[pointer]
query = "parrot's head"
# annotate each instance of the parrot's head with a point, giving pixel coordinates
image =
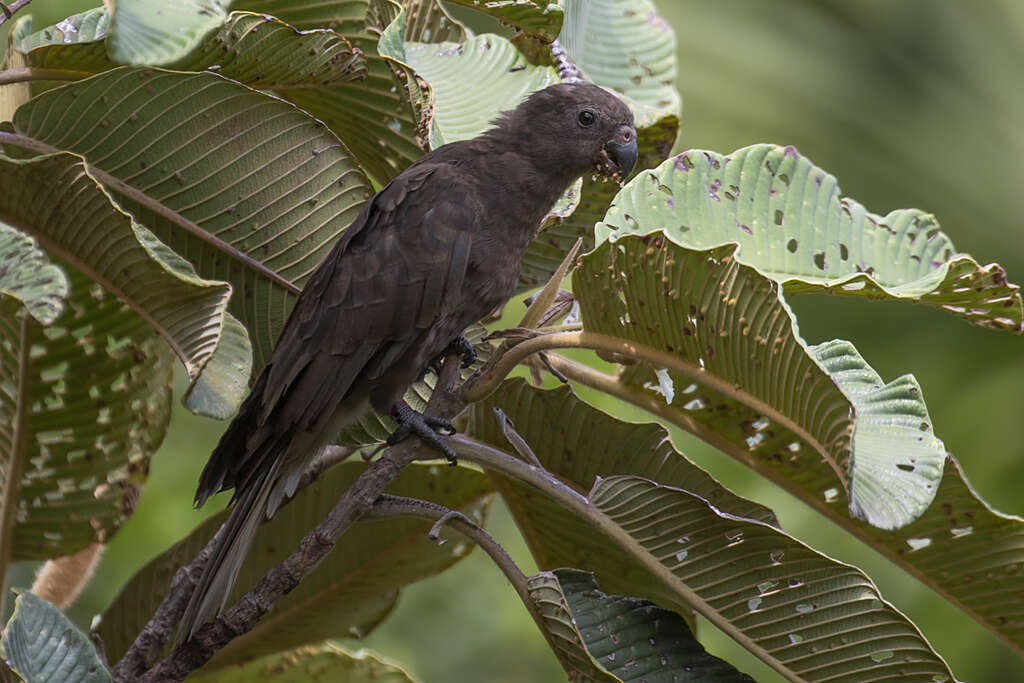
(578, 126)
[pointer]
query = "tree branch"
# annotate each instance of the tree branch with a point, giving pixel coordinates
(284, 577)
(397, 506)
(11, 9)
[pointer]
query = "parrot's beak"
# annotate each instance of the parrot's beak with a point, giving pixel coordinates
(620, 154)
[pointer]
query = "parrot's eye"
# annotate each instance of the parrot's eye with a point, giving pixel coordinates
(587, 117)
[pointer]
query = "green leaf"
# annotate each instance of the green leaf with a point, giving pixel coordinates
(643, 50)
(155, 33)
(351, 591)
(473, 82)
(324, 662)
(536, 18)
(59, 201)
(254, 49)
(891, 418)
(244, 186)
(86, 403)
(580, 445)
(42, 645)
(790, 222)
(27, 275)
(615, 638)
(383, 119)
(746, 382)
(809, 617)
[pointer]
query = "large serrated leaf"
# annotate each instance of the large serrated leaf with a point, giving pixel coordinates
(348, 594)
(58, 200)
(806, 615)
(42, 645)
(325, 662)
(790, 222)
(537, 18)
(242, 185)
(28, 276)
(254, 49)
(615, 638)
(744, 379)
(85, 403)
(154, 32)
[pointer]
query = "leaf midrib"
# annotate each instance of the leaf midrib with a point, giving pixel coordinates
(156, 207)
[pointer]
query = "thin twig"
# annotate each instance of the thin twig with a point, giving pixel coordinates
(11, 9)
(314, 546)
(397, 506)
(513, 437)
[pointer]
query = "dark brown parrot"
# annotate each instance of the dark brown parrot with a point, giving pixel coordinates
(434, 251)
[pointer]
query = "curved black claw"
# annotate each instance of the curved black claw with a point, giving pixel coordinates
(465, 349)
(428, 429)
(460, 345)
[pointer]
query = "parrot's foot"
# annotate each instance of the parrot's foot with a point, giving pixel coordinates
(428, 429)
(459, 345)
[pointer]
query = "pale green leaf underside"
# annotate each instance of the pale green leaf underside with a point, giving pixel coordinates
(744, 380)
(473, 82)
(244, 186)
(352, 590)
(616, 638)
(97, 404)
(155, 32)
(43, 646)
(644, 48)
(891, 419)
(324, 662)
(804, 614)
(58, 201)
(27, 276)
(537, 18)
(790, 222)
(254, 49)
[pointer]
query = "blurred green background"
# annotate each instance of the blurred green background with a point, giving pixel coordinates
(917, 103)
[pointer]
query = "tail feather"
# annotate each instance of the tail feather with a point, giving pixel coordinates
(214, 587)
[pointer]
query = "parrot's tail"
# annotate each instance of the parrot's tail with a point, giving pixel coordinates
(218, 579)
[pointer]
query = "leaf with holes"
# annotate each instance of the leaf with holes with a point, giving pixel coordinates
(60, 203)
(325, 662)
(581, 444)
(746, 382)
(351, 591)
(254, 49)
(86, 403)
(42, 645)
(790, 222)
(244, 186)
(806, 615)
(537, 18)
(152, 32)
(28, 276)
(601, 637)
(89, 403)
